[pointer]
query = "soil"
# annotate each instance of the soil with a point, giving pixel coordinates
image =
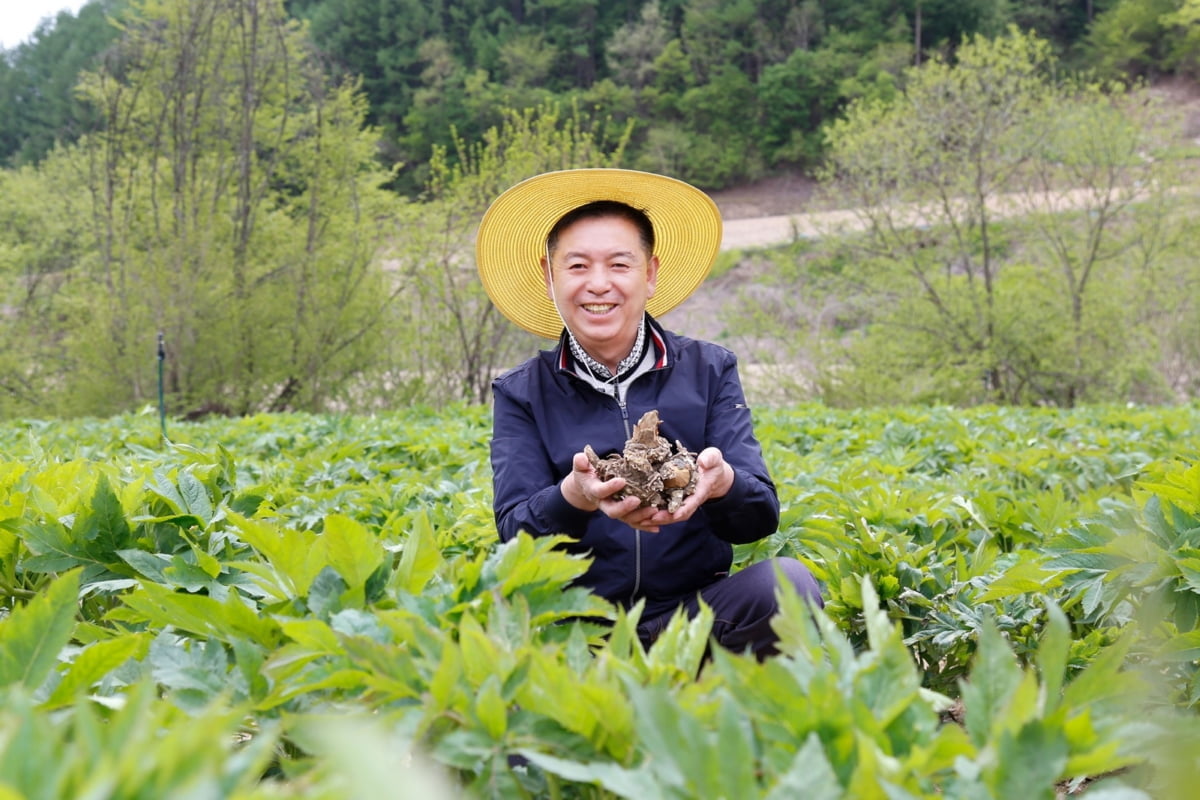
(777, 195)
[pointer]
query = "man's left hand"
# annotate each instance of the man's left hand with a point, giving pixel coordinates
(714, 479)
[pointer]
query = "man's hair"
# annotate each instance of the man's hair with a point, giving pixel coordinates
(604, 208)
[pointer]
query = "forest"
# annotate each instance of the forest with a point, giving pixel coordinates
(721, 91)
(237, 206)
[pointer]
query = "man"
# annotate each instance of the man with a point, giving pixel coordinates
(591, 257)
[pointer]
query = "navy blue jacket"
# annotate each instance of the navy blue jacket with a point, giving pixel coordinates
(544, 414)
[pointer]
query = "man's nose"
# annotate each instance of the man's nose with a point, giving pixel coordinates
(598, 280)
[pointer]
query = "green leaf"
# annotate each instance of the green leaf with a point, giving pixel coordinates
(1025, 577)
(195, 496)
(103, 523)
(55, 549)
(206, 616)
(93, 663)
(810, 775)
(297, 556)
(32, 637)
(634, 784)
(995, 676)
(1052, 654)
(149, 565)
(421, 557)
(197, 671)
(490, 708)
(733, 774)
(1029, 762)
(352, 550)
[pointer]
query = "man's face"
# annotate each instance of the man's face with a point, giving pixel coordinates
(600, 277)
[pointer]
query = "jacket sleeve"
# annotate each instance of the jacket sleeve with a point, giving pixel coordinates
(525, 477)
(750, 511)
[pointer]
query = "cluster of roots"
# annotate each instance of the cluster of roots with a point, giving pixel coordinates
(658, 474)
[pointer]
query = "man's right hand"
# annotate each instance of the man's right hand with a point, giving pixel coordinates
(584, 490)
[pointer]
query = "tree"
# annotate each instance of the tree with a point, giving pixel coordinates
(234, 205)
(632, 51)
(38, 77)
(1002, 210)
(43, 216)
(1183, 27)
(1131, 38)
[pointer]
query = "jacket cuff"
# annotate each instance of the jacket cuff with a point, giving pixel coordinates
(734, 497)
(560, 516)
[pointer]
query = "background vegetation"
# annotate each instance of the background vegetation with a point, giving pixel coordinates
(287, 193)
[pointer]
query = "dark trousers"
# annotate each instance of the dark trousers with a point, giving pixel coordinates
(743, 605)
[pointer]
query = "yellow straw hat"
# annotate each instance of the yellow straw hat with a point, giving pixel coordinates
(512, 237)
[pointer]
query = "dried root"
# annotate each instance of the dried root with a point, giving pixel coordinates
(653, 472)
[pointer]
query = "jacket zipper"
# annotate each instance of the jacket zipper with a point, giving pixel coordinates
(637, 535)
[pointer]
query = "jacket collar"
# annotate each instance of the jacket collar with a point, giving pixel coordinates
(657, 344)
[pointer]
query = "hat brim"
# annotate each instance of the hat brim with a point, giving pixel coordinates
(512, 238)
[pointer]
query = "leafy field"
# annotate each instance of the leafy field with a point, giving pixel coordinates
(316, 606)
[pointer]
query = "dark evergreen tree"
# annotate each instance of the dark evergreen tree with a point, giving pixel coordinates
(38, 77)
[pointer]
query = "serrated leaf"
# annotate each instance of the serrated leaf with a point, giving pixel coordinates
(93, 663)
(200, 614)
(297, 556)
(352, 550)
(673, 742)
(164, 488)
(33, 635)
(490, 708)
(53, 546)
(195, 496)
(1026, 577)
(633, 784)
(733, 774)
(421, 558)
(810, 775)
(103, 523)
(1053, 651)
(325, 593)
(443, 685)
(196, 670)
(993, 679)
(1030, 760)
(149, 565)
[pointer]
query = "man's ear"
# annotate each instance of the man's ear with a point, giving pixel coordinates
(651, 275)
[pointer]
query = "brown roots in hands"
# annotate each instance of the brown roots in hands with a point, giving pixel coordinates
(655, 473)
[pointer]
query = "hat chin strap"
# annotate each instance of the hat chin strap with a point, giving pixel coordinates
(553, 296)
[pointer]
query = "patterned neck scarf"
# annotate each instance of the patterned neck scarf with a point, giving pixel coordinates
(600, 370)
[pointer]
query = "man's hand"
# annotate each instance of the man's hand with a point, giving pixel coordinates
(714, 479)
(584, 490)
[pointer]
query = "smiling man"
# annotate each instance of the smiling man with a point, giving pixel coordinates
(590, 258)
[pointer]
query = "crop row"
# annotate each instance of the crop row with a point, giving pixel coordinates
(317, 606)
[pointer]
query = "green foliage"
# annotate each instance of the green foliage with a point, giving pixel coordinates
(38, 78)
(426, 68)
(237, 211)
(282, 605)
(1132, 38)
(1002, 212)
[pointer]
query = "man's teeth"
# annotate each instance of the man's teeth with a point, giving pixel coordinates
(598, 308)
